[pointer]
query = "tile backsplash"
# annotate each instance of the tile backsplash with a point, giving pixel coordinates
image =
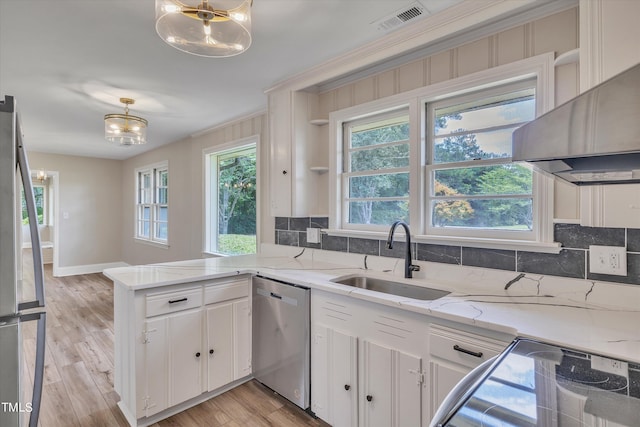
(572, 261)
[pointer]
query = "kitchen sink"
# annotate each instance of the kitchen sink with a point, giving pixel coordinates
(391, 287)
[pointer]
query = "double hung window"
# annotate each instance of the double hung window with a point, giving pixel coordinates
(473, 187)
(152, 203)
(440, 159)
(376, 170)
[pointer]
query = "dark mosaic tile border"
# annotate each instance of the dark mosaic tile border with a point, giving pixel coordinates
(572, 261)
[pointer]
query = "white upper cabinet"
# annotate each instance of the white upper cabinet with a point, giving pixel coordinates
(297, 155)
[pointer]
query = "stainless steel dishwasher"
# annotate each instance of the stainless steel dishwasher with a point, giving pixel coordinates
(281, 338)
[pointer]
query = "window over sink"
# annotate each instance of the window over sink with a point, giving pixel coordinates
(439, 158)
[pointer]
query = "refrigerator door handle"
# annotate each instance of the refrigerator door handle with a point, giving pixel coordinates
(38, 266)
(38, 375)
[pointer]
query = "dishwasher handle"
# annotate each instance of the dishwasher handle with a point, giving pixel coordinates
(274, 295)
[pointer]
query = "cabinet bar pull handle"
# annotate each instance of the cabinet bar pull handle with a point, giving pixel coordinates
(347, 387)
(369, 398)
(173, 301)
(276, 295)
(465, 351)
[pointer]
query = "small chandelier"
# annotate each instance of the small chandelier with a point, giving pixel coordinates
(42, 175)
(198, 28)
(125, 129)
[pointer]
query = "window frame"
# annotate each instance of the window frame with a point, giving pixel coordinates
(431, 167)
(147, 198)
(347, 174)
(540, 68)
(210, 227)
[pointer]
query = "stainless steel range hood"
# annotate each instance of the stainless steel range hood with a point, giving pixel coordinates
(592, 139)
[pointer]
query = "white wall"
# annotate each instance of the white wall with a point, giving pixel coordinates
(608, 45)
(89, 192)
(186, 193)
(556, 33)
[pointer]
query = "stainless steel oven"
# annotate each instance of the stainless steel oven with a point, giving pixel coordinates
(538, 384)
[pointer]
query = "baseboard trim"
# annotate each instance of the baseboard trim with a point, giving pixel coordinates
(86, 269)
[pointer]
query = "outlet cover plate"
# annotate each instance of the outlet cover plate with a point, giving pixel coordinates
(313, 235)
(608, 260)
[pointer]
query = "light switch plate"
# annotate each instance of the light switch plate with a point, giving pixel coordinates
(608, 260)
(313, 235)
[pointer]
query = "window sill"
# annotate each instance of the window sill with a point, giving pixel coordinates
(151, 243)
(505, 244)
(208, 254)
(472, 242)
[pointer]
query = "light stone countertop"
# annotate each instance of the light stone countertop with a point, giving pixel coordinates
(597, 317)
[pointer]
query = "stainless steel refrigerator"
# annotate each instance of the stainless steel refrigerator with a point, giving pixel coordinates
(21, 287)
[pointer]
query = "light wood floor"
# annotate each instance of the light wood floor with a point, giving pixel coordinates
(78, 381)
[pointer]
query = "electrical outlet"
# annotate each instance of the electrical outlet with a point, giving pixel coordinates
(313, 235)
(612, 366)
(608, 260)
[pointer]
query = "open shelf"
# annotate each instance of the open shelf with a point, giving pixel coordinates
(319, 122)
(319, 169)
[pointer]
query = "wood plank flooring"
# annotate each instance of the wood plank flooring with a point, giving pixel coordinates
(78, 381)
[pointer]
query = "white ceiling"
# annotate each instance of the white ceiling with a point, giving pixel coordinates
(67, 63)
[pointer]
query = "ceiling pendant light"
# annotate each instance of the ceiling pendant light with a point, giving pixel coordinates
(125, 129)
(199, 28)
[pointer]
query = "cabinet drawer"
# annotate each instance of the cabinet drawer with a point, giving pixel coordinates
(226, 291)
(461, 347)
(169, 302)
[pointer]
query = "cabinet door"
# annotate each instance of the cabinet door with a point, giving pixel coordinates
(442, 379)
(392, 387)
(343, 379)
(334, 378)
(154, 397)
(242, 338)
(280, 117)
(185, 345)
(219, 345)
(377, 385)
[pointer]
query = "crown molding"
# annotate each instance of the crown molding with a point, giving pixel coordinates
(454, 26)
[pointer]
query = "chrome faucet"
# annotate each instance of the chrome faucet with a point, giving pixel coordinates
(408, 267)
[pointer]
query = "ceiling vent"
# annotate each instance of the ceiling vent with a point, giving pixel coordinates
(401, 17)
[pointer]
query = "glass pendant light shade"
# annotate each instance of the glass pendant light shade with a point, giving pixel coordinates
(205, 28)
(125, 129)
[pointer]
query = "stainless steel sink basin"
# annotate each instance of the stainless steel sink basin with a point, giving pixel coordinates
(391, 287)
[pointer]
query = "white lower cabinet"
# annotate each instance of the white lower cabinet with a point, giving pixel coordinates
(363, 372)
(453, 354)
(378, 366)
(334, 375)
(228, 345)
(185, 360)
(391, 394)
(180, 346)
(219, 345)
(173, 360)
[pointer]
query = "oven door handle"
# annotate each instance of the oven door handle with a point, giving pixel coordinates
(453, 398)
